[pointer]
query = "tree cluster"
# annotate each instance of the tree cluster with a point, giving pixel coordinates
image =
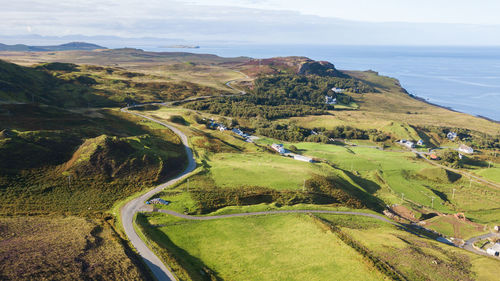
(283, 96)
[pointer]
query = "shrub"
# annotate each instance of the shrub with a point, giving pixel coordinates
(178, 119)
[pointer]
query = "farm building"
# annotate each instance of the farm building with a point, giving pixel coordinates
(420, 142)
(465, 149)
(494, 250)
(497, 228)
(302, 158)
(278, 148)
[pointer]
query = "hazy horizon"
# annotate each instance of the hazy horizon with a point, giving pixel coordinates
(359, 22)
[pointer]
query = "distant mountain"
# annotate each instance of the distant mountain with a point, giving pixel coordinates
(63, 47)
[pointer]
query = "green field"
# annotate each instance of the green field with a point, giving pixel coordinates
(492, 173)
(402, 172)
(268, 170)
(451, 227)
(274, 247)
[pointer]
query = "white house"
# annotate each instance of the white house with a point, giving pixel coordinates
(407, 143)
(497, 228)
(465, 149)
(302, 158)
(330, 100)
(410, 144)
(337, 90)
(420, 142)
(278, 148)
(451, 135)
(237, 131)
(494, 251)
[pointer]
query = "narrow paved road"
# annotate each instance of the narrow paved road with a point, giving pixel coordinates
(159, 269)
(469, 244)
(188, 217)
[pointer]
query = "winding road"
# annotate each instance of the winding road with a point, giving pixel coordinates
(127, 212)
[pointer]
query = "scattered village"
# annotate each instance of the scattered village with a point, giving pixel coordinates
(221, 127)
(452, 136)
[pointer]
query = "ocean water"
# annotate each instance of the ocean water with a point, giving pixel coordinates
(466, 79)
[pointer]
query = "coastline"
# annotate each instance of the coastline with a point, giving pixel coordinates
(447, 107)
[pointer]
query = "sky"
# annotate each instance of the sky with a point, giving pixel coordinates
(340, 22)
(417, 11)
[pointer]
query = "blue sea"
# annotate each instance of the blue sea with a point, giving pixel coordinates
(466, 79)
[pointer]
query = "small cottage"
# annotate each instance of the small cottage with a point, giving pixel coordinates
(451, 135)
(465, 149)
(278, 148)
(330, 100)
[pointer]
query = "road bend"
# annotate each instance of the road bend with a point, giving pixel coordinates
(158, 268)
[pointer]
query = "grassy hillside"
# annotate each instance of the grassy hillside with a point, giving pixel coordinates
(63, 248)
(392, 104)
(80, 163)
(392, 173)
(207, 70)
(70, 86)
(413, 257)
(84, 168)
(20, 84)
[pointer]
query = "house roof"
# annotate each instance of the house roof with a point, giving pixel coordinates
(496, 247)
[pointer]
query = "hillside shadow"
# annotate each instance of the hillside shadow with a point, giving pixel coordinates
(372, 202)
(475, 162)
